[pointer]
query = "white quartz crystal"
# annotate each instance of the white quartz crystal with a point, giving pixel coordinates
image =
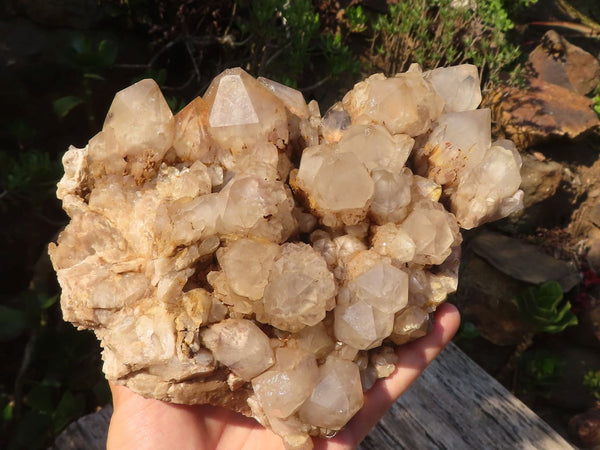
(301, 289)
(406, 103)
(282, 389)
(459, 86)
(336, 397)
(248, 253)
(375, 147)
(240, 345)
(337, 185)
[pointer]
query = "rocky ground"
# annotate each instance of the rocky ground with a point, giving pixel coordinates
(555, 238)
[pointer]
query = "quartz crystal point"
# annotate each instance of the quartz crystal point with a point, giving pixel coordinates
(248, 253)
(458, 86)
(336, 397)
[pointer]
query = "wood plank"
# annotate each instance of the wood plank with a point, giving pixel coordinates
(455, 404)
(87, 433)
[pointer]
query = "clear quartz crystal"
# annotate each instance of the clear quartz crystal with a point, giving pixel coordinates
(250, 254)
(282, 389)
(459, 86)
(405, 103)
(247, 264)
(300, 289)
(375, 147)
(240, 345)
(336, 397)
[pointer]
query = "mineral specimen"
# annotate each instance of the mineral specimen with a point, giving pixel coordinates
(249, 253)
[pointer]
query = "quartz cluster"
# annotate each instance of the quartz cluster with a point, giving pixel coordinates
(249, 253)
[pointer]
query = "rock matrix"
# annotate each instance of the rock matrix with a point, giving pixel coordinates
(251, 254)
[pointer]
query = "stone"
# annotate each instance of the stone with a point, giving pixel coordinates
(485, 299)
(256, 109)
(557, 61)
(240, 345)
(458, 142)
(544, 111)
(384, 361)
(593, 255)
(475, 200)
(524, 261)
(383, 286)
(248, 253)
(539, 179)
(192, 141)
(586, 427)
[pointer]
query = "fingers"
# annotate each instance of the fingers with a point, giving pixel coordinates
(120, 394)
(413, 358)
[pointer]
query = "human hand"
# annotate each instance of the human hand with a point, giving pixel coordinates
(145, 424)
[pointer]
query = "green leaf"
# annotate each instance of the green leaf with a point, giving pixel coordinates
(543, 307)
(107, 53)
(12, 323)
(33, 430)
(550, 293)
(47, 302)
(41, 398)
(69, 408)
(468, 330)
(93, 76)
(7, 412)
(63, 106)
(80, 44)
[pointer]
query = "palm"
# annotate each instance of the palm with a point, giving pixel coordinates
(151, 424)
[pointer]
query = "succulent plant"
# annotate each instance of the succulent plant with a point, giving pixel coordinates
(545, 309)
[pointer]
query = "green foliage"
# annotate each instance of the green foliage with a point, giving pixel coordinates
(543, 308)
(31, 313)
(356, 19)
(89, 59)
(30, 171)
(286, 38)
(591, 381)
(540, 370)
(596, 99)
(47, 394)
(467, 331)
(63, 105)
(438, 33)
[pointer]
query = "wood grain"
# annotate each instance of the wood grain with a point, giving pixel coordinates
(455, 404)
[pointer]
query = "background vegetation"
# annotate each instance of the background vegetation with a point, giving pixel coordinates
(63, 61)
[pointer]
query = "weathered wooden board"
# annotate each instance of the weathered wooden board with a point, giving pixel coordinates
(455, 404)
(87, 433)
